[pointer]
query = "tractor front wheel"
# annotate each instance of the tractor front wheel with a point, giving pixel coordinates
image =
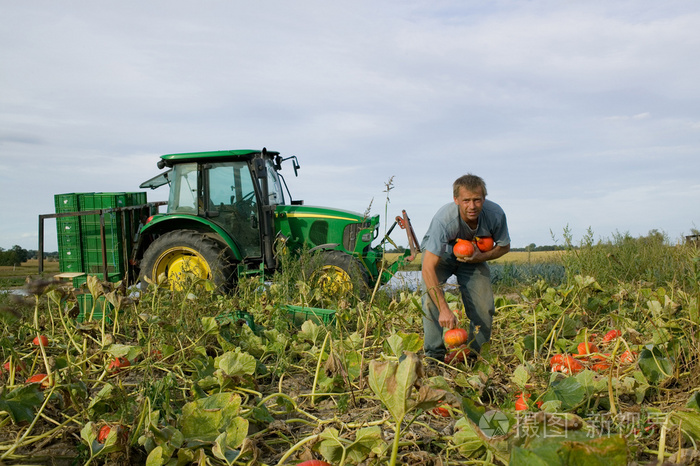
(339, 275)
(184, 256)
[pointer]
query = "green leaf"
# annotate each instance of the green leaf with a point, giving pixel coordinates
(569, 391)
(395, 343)
(654, 365)
(689, 423)
(21, 402)
(310, 332)
(204, 419)
(467, 440)
(392, 382)
(368, 440)
(124, 351)
(520, 376)
(591, 382)
(156, 457)
(210, 326)
(235, 363)
(571, 448)
(411, 342)
(221, 450)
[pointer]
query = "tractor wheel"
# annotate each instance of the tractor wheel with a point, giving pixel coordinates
(186, 255)
(339, 274)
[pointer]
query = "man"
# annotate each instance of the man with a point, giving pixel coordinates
(469, 216)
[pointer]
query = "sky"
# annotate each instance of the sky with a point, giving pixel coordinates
(580, 116)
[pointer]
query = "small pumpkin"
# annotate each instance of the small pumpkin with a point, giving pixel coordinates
(117, 364)
(104, 432)
(484, 243)
(441, 411)
(41, 340)
(463, 248)
(611, 335)
(314, 463)
(458, 354)
(42, 379)
(628, 357)
(586, 347)
(569, 365)
(521, 402)
(456, 337)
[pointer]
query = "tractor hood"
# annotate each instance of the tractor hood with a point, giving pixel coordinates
(323, 226)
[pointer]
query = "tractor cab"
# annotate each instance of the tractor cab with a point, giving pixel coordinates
(230, 196)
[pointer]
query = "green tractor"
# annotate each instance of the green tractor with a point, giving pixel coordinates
(228, 216)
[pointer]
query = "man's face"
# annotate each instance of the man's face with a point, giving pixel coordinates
(470, 204)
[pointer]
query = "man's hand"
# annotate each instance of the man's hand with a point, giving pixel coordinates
(448, 319)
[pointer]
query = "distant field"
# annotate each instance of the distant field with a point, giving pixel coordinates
(15, 276)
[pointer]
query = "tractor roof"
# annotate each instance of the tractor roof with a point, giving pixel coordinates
(217, 154)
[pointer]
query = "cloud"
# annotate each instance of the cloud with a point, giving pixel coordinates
(568, 110)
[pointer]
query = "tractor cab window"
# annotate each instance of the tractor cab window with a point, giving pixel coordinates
(231, 193)
(183, 194)
(274, 187)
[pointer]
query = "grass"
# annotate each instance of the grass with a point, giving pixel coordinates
(11, 277)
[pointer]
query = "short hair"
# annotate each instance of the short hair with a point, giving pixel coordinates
(469, 182)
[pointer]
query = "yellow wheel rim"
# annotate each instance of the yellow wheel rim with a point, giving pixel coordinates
(181, 265)
(334, 280)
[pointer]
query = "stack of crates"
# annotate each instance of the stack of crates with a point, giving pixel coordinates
(91, 236)
(79, 237)
(70, 258)
(80, 241)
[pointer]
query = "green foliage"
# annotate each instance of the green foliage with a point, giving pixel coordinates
(230, 380)
(13, 257)
(651, 259)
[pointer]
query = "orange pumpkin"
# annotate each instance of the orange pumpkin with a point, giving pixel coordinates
(104, 432)
(628, 357)
(458, 354)
(586, 347)
(484, 244)
(456, 337)
(42, 379)
(41, 339)
(521, 402)
(463, 248)
(118, 364)
(611, 335)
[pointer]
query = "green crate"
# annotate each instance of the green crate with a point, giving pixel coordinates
(90, 224)
(300, 314)
(136, 198)
(70, 259)
(94, 201)
(85, 303)
(66, 202)
(233, 317)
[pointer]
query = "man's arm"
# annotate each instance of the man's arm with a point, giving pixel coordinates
(479, 256)
(447, 318)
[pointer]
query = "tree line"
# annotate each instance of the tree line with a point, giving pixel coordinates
(18, 255)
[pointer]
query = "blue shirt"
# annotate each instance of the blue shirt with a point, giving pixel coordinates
(447, 226)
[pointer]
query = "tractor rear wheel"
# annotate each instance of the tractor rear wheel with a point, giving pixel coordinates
(186, 255)
(339, 274)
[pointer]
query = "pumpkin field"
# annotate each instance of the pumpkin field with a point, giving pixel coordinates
(600, 366)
